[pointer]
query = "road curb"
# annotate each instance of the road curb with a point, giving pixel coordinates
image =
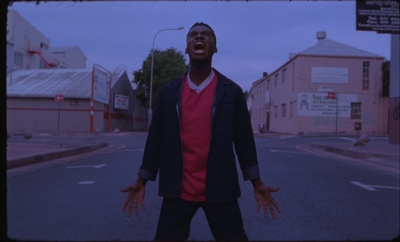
(346, 152)
(22, 161)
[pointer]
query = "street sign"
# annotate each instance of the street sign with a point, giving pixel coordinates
(381, 16)
(59, 98)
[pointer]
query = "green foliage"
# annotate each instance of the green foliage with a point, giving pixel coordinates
(385, 78)
(167, 65)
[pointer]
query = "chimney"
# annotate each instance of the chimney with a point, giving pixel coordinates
(265, 74)
(321, 35)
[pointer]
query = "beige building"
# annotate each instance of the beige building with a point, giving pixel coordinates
(28, 48)
(327, 88)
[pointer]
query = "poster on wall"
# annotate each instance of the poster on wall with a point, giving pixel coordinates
(121, 102)
(323, 105)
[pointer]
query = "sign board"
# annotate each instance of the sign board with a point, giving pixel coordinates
(329, 75)
(121, 102)
(320, 105)
(325, 89)
(380, 16)
(102, 82)
(59, 98)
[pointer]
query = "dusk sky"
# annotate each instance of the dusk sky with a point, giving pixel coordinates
(252, 37)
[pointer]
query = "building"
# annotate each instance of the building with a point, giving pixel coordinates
(327, 88)
(28, 48)
(58, 101)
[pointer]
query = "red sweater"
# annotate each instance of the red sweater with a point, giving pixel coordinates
(195, 131)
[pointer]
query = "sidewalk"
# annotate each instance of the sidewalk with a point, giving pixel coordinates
(377, 150)
(45, 147)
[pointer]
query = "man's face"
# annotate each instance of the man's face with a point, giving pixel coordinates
(200, 43)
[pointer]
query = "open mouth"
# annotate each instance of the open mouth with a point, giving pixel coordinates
(198, 47)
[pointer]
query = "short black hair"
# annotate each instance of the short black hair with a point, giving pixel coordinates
(208, 26)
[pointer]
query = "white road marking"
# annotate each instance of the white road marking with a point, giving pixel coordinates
(287, 151)
(372, 187)
(94, 167)
(86, 182)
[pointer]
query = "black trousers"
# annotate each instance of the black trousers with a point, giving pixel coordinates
(224, 219)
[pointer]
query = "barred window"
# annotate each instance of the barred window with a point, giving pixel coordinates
(18, 58)
(284, 75)
(355, 110)
(276, 111)
(283, 111)
(365, 77)
(276, 80)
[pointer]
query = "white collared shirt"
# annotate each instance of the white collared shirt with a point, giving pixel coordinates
(202, 85)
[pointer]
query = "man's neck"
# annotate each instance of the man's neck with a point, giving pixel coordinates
(199, 73)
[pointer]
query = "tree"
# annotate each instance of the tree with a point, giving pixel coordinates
(167, 65)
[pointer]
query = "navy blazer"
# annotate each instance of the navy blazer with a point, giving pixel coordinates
(231, 133)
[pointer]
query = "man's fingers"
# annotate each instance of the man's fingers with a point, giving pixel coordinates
(124, 206)
(124, 189)
(272, 212)
(274, 189)
(277, 207)
(265, 211)
(135, 207)
(143, 206)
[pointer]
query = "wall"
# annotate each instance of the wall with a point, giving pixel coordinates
(40, 115)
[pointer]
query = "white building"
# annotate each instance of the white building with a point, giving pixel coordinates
(327, 88)
(32, 104)
(28, 48)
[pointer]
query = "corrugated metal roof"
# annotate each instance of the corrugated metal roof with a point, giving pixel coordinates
(46, 83)
(328, 47)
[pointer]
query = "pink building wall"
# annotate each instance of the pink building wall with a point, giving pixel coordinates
(299, 75)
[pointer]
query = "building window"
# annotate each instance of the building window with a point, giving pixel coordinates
(41, 64)
(276, 111)
(355, 111)
(284, 75)
(365, 78)
(283, 111)
(18, 58)
(268, 85)
(44, 46)
(276, 80)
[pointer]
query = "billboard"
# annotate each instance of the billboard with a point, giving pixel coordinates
(101, 85)
(325, 104)
(380, 16)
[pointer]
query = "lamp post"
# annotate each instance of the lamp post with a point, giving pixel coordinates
(151, 73)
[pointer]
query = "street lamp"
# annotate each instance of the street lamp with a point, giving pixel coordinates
(151, 74)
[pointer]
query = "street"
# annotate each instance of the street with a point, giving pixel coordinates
(323, 196)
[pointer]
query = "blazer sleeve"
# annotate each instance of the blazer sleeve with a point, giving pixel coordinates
(152, 152)
(244, 139)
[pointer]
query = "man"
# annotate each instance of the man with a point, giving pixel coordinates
(198, 119)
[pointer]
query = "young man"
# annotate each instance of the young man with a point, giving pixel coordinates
(198, 120)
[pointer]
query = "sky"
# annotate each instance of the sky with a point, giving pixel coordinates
(252, 37)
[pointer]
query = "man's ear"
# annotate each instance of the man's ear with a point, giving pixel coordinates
(215, 50)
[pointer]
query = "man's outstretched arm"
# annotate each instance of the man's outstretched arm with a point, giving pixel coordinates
(136, 193)
(264, 198)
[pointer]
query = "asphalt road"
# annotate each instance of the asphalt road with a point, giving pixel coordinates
(322, 196)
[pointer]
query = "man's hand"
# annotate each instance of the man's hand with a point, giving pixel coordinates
(135, 196)
(264, 199)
